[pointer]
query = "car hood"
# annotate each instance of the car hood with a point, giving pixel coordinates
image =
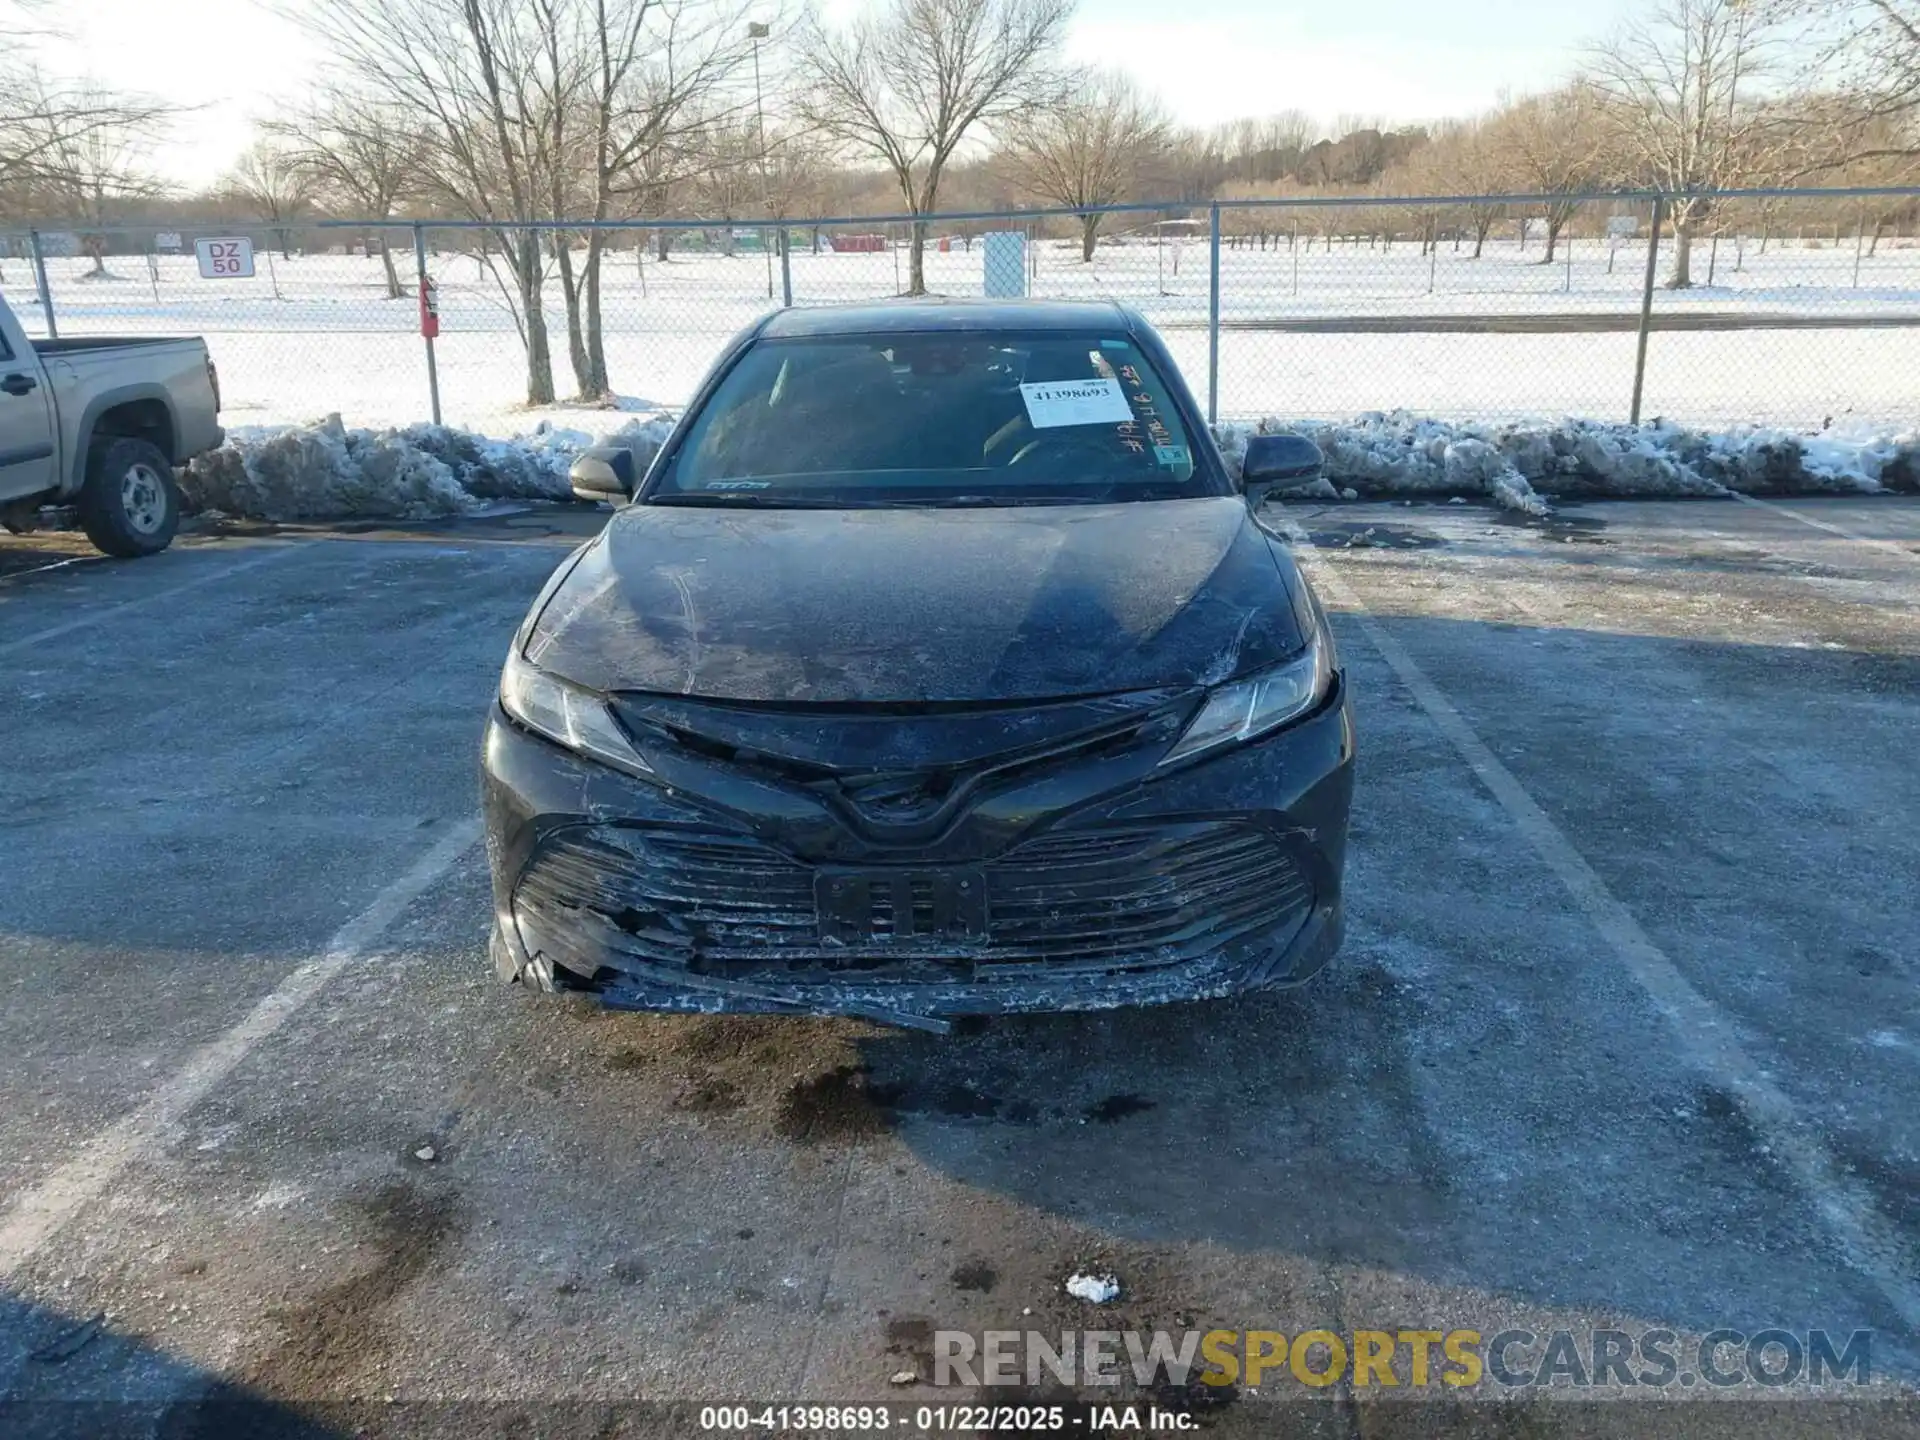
(920, 605)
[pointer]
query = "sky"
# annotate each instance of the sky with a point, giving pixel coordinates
(1210, 60)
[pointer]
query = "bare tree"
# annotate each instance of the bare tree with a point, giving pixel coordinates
(362, 156)
(1468, 162)
(909, 83)
(476, 74)
(92, 172)
(1461, 160)
(537, 111)
(269, 180)
(644, 76)
(1090, 149)
(620, 87)
(1551, 145)
(61, 144)
(45, 127)
(796, 173)
(1677, 84)
(1868, 80)
(727, 182)
(655, 187)
(1264, 149)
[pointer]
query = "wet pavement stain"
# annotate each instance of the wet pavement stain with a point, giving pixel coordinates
(974, 1275)
(1362, 536)
(834, 1107)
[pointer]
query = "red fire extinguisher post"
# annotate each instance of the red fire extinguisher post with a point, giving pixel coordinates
(429, 307)
(429, 314)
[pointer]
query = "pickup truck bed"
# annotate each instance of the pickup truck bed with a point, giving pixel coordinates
(74, 345)
(100, 422)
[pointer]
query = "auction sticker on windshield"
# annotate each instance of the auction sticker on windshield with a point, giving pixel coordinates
(1054, 403)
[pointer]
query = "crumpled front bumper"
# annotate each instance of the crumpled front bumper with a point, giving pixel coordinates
(564, 833)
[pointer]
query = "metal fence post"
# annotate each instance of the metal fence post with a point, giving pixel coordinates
(40, 280)
(1213, 314)
(786, 268)
(1646, 306)
(420, 278)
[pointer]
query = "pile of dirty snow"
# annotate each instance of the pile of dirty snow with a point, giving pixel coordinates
(325, 471)
(1519, 465)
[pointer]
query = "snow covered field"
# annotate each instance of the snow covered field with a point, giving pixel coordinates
(314, 334)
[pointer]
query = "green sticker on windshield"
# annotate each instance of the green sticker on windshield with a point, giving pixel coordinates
(1172, 456)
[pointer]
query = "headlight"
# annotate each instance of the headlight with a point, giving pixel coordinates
(1252, 707)
(566, 714)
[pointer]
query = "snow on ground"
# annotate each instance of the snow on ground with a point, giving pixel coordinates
(1094, 1289)
(1518, 466)
(315, 334)
(327, 471)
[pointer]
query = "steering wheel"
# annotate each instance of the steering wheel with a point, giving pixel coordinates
(1062, 447)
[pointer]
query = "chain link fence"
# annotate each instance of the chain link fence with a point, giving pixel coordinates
(1803, 311)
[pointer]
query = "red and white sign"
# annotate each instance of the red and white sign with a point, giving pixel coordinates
(230, 259)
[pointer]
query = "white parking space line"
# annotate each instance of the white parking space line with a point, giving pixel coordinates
(1704, 1035)
(71, 560)
(107, 612)
(41, 1211)
(1893, 547)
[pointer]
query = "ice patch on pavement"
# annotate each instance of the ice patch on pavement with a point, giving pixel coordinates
(1094, 1289)
(326, 471)
(1520, 465)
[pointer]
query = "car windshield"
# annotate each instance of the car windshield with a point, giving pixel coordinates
(937, 419)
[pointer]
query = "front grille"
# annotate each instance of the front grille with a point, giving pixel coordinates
(888, 794)
(725, 905)
(1094, 896)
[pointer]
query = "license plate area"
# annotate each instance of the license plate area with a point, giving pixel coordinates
(901, 909)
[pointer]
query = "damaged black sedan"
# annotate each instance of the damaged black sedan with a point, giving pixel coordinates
(938, 666)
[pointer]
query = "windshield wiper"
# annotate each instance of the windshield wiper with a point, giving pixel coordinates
(962, 502)
(751, 499)
(744, 499)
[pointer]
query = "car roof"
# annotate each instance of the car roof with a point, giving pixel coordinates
(938, 313)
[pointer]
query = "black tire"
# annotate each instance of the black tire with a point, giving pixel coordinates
(129, 505)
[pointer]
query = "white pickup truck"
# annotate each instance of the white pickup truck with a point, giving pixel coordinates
(100, 423)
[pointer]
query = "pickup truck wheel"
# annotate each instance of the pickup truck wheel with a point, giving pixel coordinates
(129, 505)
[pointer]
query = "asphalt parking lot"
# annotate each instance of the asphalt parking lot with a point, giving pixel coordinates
(1625, 1030)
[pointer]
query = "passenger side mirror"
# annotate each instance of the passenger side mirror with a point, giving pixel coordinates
(1278, 462)
(605, 472)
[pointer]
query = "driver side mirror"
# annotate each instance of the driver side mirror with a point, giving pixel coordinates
(1278, 462)
(606, 472)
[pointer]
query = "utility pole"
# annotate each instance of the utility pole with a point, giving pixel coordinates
(756, 32)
